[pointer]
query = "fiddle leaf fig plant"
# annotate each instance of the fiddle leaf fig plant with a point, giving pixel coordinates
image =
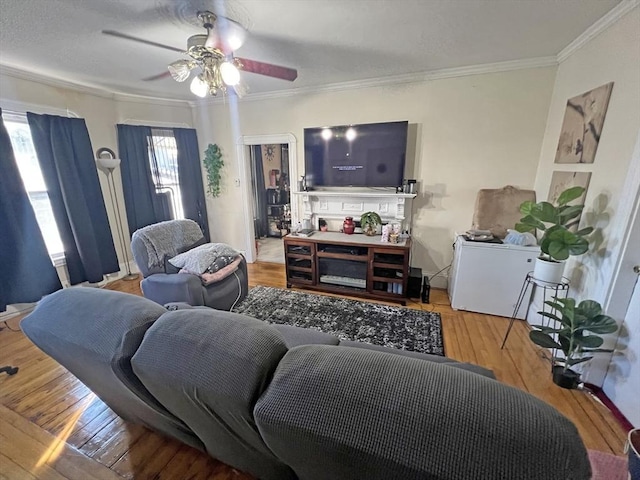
(558, 241)
(576, 332)
(213, 163)
(369, 221)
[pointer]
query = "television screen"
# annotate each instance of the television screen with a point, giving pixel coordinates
(368, 155)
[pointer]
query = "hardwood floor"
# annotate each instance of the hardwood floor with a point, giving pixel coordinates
(53, 427)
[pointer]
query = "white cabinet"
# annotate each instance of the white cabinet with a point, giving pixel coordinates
(487, 277)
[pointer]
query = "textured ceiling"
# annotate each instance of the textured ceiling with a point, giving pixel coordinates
(328, 41)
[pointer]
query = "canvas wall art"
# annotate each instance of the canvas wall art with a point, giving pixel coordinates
(560, 181)
(582, 126)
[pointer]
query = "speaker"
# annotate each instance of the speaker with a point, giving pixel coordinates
(426, 290)
(415, 277)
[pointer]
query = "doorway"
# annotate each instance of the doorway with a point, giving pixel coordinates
(267, 220)
(270, 199)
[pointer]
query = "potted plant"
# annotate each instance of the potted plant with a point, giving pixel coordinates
(569, 335)
(558, 241)
(213, 163)
(369, 222)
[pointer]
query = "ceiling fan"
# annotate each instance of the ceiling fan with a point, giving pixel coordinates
(211, 55)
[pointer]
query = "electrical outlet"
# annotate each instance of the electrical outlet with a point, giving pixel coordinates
(236, 182)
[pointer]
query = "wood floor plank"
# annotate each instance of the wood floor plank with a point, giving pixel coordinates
(88, 432)
(42, 454)
(10, 470)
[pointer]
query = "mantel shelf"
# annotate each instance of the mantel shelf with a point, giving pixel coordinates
(322, 193)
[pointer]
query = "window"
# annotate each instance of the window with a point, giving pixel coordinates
(163, 157)
(29, 167)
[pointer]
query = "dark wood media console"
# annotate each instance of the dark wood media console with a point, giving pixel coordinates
(349, 264)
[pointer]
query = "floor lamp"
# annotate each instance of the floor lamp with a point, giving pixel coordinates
(107, 161)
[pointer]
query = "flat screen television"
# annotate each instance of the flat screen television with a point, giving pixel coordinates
(367, 155)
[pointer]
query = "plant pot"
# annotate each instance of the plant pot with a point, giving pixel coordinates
(548, 271)
(565, 378)
(370, 231)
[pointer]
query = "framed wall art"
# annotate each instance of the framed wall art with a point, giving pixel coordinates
(582, 126)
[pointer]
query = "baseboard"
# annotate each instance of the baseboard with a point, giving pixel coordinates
(619, 416)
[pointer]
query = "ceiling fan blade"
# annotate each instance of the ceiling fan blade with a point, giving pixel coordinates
(268, 69)
(113, 33)
(157, 77)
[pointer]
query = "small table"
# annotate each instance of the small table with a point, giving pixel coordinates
(532, 282)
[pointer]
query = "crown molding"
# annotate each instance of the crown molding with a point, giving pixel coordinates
(394, 80)
(597, 28)
(19, 74)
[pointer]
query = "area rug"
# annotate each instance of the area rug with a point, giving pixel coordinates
(395, 327)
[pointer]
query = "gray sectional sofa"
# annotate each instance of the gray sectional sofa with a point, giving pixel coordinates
(286, 403)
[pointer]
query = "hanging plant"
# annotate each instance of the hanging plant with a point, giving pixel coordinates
(213, 163)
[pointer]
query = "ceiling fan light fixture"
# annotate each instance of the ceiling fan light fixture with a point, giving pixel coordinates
(230, 73)
(199, 86)
(180, 69)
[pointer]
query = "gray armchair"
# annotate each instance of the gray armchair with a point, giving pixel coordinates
(154, 244)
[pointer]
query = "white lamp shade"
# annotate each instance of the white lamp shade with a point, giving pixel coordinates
(107, 162)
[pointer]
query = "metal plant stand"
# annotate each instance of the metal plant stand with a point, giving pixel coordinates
(530, 284)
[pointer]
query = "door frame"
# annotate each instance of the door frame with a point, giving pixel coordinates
(243, 145)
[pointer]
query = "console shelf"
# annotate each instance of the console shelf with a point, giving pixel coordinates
(381, 268)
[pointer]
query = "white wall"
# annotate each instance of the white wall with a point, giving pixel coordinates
(101, 113)
(612, 56)
(468, 133)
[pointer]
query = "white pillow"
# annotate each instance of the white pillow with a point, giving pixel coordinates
(198, 260)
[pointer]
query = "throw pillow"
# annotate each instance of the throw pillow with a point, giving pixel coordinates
(199, 259)
(168, 268)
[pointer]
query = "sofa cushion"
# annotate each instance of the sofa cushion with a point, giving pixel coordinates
(421, 356)
(342, 412)
(94, 333)
(295, 336)
(209, 367)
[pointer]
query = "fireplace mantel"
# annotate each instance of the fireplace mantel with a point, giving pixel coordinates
(335, 204)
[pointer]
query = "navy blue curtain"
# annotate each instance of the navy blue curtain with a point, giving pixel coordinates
(69, 169)
(190, 176)
(260, 192)
(26, 271)
(144, 206)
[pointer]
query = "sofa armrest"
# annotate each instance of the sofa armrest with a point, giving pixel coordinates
(165, 288)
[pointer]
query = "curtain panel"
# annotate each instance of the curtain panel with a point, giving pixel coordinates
(144, 206)
(68, 166)
(27, 273)
(190, 175)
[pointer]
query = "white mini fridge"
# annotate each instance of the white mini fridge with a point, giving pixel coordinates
(488, 277)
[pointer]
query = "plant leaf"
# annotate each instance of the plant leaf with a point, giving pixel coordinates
(526, 207)
(568, 212)
(575, 361)
(584, 231)
(588, 341)
(545, 329)
(545, 212)
(542, 339)
(590, 308)
(570, 194)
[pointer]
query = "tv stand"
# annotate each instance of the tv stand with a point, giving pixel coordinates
(355, 265)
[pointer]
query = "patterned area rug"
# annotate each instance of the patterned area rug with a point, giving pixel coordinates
(396, 327)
